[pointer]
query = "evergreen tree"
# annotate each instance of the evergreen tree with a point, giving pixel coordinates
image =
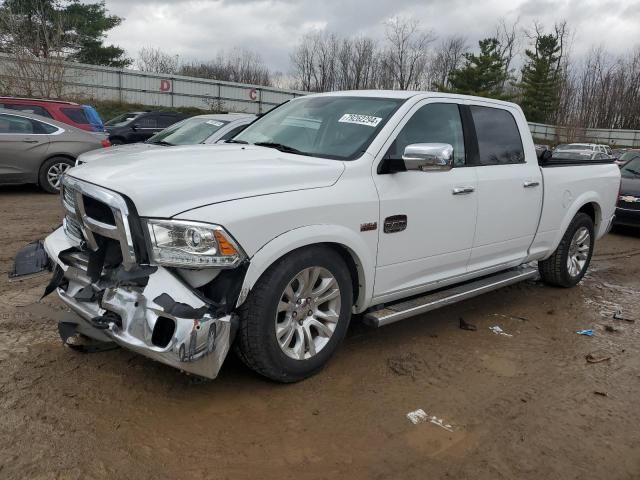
(541, 80)
(483, 74)
(79, 30)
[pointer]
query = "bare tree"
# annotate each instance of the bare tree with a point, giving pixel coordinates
(448, 57)
(238, 65)
(154, 60)
(407, 52)
(509, 38)
(36, 68)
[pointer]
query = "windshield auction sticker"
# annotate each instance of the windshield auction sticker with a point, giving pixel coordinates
(367, 120)
(214, 123)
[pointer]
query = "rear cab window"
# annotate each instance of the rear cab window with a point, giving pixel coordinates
(499, 140)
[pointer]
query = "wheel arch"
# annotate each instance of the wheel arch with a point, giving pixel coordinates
(588, 203)
(345, 242)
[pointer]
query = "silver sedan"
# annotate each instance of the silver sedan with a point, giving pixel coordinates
(34, 149)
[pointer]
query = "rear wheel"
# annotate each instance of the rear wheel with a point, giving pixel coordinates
(570, 261)
(51, 173)
(296, 315)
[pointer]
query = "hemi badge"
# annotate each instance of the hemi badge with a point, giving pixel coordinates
(367, 227)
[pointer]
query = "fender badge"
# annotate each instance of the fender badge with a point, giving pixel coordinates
(367, 227)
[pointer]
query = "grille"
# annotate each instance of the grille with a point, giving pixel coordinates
(71, 225)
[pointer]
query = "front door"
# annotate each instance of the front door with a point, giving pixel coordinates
(430, 216)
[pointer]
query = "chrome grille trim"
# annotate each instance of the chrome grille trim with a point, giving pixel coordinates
(72, 199)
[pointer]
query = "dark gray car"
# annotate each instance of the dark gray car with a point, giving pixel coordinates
(34, 149)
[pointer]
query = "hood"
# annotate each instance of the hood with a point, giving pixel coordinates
(163, 182)
(110, 152)
(630, 186)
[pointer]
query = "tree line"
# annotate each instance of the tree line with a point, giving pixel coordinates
(530, 65)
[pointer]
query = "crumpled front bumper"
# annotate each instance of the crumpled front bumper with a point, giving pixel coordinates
(164, 320)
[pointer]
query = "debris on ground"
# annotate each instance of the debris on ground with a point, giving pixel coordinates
(420, 416)
(602, 394)
(610, 329)
(467, 326)
(591, 359)
(586, 333)
(498, 331)
(618, 316)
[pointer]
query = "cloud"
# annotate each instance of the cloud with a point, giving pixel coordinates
(199, 29)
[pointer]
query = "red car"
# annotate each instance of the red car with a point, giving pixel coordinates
(80, 116)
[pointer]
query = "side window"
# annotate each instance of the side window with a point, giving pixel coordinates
(23, 126)
(499, 139)
(165, 121)
(76, 115)
(147, 121)
(29, 109)
(233, 132)
(433, 123)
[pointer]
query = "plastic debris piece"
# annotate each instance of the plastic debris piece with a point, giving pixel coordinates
(498, 331)
(591, 359)
(420, 416)
(618, 316)
(602, 394)
(586, 333)
(467, 326)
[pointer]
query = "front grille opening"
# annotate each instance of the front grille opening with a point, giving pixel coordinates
(163, 332)
(98, 210)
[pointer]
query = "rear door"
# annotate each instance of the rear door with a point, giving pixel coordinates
(427, 219)
(23, 145)
(509, 187)
(146, 126)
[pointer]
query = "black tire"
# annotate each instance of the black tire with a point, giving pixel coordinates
(256, 343)
(554, 270)
(44, 173)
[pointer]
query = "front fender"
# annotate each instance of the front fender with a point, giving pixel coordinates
(310, 235)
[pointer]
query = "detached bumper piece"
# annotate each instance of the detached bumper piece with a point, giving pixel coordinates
(31, 260)
(145, 309)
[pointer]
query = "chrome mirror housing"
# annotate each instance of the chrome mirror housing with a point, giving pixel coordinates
(428, 157)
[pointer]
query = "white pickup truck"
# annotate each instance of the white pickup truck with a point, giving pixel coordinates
(382, 203)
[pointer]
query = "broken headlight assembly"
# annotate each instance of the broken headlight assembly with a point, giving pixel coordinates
(176, 243)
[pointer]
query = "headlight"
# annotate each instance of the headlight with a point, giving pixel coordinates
(192, 244)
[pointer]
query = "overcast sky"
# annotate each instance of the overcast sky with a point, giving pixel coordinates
(199, 29)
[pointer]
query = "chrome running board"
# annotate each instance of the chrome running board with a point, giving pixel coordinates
(431, 301)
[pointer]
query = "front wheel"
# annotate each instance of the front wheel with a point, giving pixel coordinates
(51, 172)
(569, 263)
(296, 315)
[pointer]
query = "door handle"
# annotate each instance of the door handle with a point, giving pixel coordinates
(463, 190)
(29, 141)
(530, 184)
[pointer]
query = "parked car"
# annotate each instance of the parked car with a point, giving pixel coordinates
(628, 208)
(627, 156)
(328, 205)
(132, 127)
(35, 149)
(83, 117)
(582, 155)
(591, 147)
(191, 131)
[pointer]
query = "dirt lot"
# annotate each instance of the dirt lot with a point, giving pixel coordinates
(526, 406)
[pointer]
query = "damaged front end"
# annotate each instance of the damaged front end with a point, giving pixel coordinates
(103, 271)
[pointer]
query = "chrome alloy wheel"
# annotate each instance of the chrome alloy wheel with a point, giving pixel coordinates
(578, 251)
(55, 172)
(308, 312)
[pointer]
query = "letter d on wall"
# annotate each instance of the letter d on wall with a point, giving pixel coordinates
(165, 85)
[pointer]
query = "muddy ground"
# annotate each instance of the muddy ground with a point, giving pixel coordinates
(526, 406)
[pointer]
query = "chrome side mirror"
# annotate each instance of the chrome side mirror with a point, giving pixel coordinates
(428, 157)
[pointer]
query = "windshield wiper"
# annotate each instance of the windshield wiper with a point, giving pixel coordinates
(631, 171)
(281, 147)
(164, 143)
(236, 141)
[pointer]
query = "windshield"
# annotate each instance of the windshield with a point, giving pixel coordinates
(188, 132)
(329, 126)
(632, 168)
(625, 157)
(122, 119)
